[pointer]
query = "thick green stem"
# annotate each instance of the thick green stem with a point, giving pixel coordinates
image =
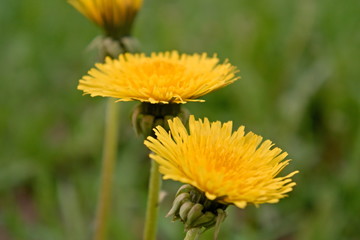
(107, 172)
(193, 234)
(152, 203)
(149, 117)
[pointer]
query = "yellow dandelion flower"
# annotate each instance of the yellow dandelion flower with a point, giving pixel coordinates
(231, 168)
(167, 77)
(114, 16)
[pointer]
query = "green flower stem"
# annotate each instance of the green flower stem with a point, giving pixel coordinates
(193, 234)
(149, 116)
(108, 165)
(152, 203)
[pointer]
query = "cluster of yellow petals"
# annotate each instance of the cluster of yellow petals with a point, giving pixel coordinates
(233, 168)
(167, 77)
(112, 15)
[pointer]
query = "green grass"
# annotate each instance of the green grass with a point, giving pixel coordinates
(299, 63)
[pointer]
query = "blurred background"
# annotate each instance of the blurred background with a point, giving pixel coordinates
(299, 87)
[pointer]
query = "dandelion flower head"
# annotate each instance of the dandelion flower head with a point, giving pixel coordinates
(232, 168)
(167, 77)
(114, 16)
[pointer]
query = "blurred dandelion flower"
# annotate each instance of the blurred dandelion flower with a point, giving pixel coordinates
(114, 16)
(167, 77)
(230, 168)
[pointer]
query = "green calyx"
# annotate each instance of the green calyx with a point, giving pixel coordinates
(196, 211)
(147, 116)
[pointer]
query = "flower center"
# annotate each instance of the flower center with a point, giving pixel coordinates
(161, 68)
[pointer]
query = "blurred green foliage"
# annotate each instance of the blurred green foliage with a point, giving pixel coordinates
(300, 87)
